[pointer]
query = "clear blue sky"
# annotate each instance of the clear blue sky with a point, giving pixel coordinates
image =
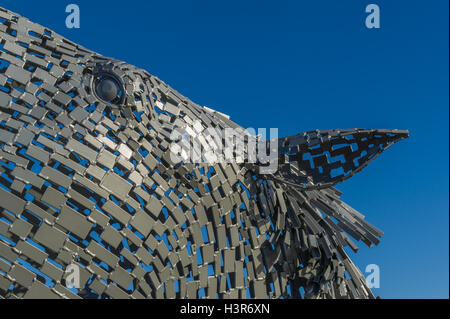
(302, 65)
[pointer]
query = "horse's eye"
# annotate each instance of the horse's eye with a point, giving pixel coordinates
(107, 89)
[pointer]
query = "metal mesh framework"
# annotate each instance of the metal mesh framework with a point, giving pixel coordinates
(91, 183)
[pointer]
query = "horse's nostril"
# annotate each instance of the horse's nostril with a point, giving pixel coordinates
(107, 89)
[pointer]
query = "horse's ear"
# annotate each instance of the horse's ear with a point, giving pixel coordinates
(323, 158)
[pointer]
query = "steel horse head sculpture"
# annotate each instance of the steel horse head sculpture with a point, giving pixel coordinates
(87, 180)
